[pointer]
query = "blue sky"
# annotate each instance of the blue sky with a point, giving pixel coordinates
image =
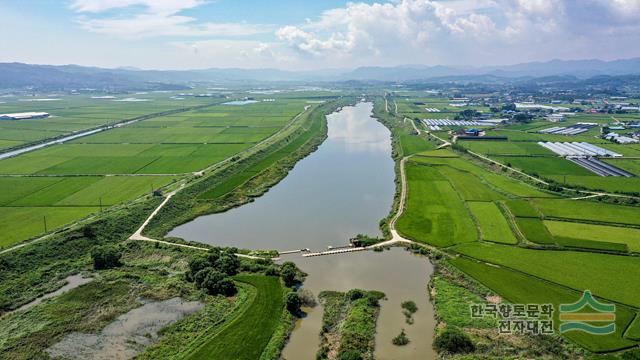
(302, 35)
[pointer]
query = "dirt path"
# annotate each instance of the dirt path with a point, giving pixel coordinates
(396, 238)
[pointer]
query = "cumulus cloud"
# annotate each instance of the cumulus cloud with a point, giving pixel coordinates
(458, 30)
(375, 28)
(386, 32)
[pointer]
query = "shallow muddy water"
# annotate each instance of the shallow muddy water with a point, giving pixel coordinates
(72, 282)
(399, 274)
(127, 335)
(339, 191)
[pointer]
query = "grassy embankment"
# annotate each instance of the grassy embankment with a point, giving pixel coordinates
(246, 336)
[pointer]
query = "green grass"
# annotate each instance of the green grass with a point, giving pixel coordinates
(21, 187)
(489, 182)
(544, 166)
(452, 304)
(522, 208)
(603, 233)
(632, 166)
(239, 178)
(20, 223)
(63, 200)
(115, 189)
(609, 276)
(633, 332)
(357, 333)
(248, 335)
(595, 182)
(519, 288)
(493, 225)
(535, 231)
(588, 210)
(412, 144)
(514, 187)
(434, 212)
(506, 147)
(469, 186)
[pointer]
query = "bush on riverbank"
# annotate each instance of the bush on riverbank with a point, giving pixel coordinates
(453, 341)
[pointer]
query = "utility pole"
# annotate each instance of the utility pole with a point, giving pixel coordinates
(100, 203)
(44, 218)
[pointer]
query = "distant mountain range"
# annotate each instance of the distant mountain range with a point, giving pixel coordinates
(66, 77)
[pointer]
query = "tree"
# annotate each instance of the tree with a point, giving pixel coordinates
(228, 264)
(89, 232)
(355, 294)
(202, 275)
(224, 287)
(196, 264)
(453, 341)
(509, 107)
(105, 257)
(293, 302)
(522, 118)
(288, 275)
(214, 282)
(468, 114)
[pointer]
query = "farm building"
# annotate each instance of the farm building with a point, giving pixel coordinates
(24, 116)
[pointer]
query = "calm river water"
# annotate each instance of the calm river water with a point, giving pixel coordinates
(341, 190)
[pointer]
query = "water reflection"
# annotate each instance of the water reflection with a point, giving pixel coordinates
(341, 190)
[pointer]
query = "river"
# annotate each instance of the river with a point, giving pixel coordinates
(341, 190)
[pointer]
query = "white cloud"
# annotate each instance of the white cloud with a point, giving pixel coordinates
(361, 28)
(148, 25)
(625, 9)
(155, 6)
(158, 18)
(386, 32)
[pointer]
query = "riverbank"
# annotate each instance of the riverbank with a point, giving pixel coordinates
(247, 178)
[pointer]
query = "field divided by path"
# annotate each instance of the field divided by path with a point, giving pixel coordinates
(57, 201)
(76, 113)
(520, 288)
(526, 244)
(66, 182)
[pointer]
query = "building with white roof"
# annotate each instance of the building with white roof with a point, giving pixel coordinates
(24, 115)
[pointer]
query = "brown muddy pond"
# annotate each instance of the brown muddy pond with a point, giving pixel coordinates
(398, 273)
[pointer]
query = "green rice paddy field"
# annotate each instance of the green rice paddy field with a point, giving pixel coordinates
(66, 182)
(247, 336)
(75, 113)
(480, 215)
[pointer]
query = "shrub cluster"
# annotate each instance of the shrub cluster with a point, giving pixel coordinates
(453, 341)
(212, 273)
(106, 257)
